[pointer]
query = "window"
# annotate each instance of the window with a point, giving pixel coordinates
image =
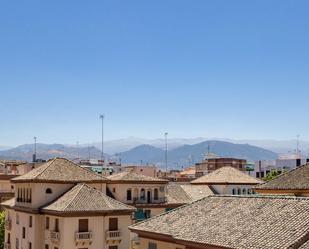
(113, 247)
(152, 245)
(83, 225)
(239, 191)
(113, 224)
(129, 195)
(24, 232)
(244, 191)
(156, 194)
(56, 225)
(249, 191)
(17, 243)
(48, 191)
(234, 191)
(142, 194)
(30, 245)
(114, 190)
(9, 238)
(30, 221)
(17, 219)
(47, 223)
(46, 246)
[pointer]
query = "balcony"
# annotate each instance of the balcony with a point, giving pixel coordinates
(8, 225)
(113, 235)
(7, 245)
(83, 237)
(54, 236)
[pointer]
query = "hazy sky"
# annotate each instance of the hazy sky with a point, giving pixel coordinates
(236, 69)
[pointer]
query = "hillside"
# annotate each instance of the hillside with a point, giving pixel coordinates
(189, 154)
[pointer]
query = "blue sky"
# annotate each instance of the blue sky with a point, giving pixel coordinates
(235, 69)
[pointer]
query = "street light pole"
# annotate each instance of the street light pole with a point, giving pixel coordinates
(165, 134)
(102, 151)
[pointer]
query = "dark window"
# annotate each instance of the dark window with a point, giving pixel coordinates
(147, 214)
(257, 174)
(24, 232)
(48, 191)
(30, 221)
(46, 246)
(234, 191)
(9, 238)
(152, 245)
(47, 223)
(113, 224)
(30, 245)
(56, 225)
(129, 195)
(113, 247)
(83, 225)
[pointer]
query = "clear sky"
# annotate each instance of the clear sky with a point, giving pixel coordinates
(234, 69)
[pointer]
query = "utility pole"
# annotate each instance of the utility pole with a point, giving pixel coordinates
(77, 146)
(102, 150)
(297, 147)
(34, 155)
(166, 134)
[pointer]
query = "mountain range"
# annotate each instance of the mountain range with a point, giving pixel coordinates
(178, 156)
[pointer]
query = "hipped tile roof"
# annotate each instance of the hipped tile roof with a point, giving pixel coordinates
(235, 222)
(130, 176)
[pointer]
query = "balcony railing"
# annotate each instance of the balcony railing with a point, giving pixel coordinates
(113, 235)
(7, 245)
(8, 224)
(54, 236)
(152, 201)
(85, 236)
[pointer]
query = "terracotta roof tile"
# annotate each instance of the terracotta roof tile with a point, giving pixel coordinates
(226, 175)
(182, 194)
(295, 179)
(236, 222)
(83, 198)
(60, 170)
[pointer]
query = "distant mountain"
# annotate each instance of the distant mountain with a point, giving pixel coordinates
(278, 146)
(46, 151)
(3, 147)
(189, 154)
(183, 155)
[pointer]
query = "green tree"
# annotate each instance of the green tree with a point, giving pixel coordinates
(272, 174)
(2, 229)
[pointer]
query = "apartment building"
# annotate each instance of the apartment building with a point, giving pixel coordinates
(218, 222)
(228, 180)
(211, 164)
(60, 205)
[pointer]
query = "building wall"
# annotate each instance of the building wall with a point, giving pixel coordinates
(228, 189)
(120, 192)
(33, 234)
(144, 244)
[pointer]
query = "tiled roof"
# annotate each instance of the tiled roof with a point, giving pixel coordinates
(235, 222)
(130, 176)
(305, 245)
(83, 198)
(9, 203)
(296, 179)
(60, 170)
(226, 175)
(181, 194)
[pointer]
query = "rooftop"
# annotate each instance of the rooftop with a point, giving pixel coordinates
(60, 170)
(182, 194)
(227, 175)
(295, 179)
(130, 176)
(83, 198)
(234, 222)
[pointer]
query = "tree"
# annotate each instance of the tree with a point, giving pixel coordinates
(272, 174)
(2, 229)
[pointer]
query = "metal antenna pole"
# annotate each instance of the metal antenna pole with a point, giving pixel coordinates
(102, 151)
(166, 167)
(34, 158)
